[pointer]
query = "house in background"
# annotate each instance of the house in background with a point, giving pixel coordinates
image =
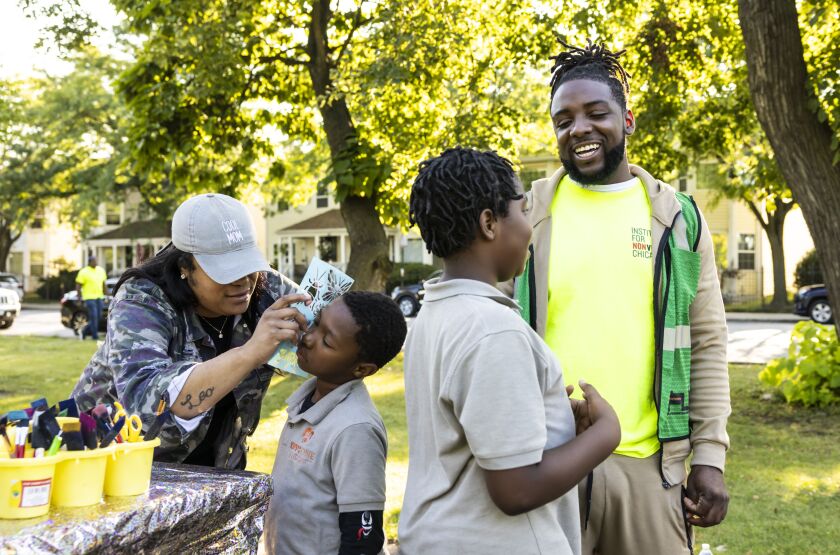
(46, 246)
(738, 236)
(128, 234)
(317, 228)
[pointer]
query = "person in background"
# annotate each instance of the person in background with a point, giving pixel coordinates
(90, 285)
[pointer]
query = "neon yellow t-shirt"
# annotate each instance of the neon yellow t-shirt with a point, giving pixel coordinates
(92, 281)
(600, 301)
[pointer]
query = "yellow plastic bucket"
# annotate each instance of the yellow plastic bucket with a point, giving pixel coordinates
(26, 486)
(129, 468)
(80, 477)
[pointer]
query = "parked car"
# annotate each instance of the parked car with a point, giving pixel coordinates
(10, 281)
(409, 297)
(812, 301)
(9, 307)
(74, 314)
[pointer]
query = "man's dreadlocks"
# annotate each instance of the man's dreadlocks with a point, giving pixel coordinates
(595, 62)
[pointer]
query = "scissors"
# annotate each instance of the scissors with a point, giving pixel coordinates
(133, 429)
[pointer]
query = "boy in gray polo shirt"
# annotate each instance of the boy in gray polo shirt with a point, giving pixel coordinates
(494, 459)
(329, 471)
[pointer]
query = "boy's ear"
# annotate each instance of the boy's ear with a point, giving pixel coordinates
(365, 369)
(487, 224)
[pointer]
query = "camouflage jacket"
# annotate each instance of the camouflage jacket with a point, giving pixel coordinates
(147, 344)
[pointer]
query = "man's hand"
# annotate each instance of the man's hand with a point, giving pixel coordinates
(706, 498)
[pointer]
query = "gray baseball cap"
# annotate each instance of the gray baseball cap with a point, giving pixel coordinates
(217, 230)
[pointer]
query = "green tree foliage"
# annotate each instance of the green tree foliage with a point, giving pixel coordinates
(59, 139)
(229, 96)
(808, 271)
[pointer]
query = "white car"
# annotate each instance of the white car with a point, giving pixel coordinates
(9, 307)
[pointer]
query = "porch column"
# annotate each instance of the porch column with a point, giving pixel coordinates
(343, 249)
(733, 236)
(290, 257)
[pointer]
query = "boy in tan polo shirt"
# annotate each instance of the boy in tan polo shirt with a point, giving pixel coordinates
(494, 458)
(329, 472)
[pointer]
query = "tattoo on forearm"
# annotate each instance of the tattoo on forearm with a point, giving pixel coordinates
(202, 396)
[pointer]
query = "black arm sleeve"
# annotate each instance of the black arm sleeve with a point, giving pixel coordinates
(361, 533)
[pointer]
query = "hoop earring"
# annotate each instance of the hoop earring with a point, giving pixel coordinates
(183, 276)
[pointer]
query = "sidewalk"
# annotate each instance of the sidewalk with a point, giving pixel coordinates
(52, 305)
(779, 317)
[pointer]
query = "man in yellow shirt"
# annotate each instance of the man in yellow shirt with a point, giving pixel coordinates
(90, 285)
(619, 294)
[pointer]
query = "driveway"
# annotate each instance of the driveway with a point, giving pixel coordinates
(757, 342)
(39, 321)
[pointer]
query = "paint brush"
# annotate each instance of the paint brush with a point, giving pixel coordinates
(72, 436)
(103, 421)
(21, 421)
(70, 406)
(55, 445)
(115, 431)
(154, 429)
(21, 431)
(88, 424)
(40, 442)
(3, 423)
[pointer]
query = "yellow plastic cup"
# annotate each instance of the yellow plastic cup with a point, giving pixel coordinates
(26, 486)
(80, 477)
(129, 468)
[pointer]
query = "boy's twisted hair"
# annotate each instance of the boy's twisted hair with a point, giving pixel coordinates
(382, 327)
(450, 192)
(594, 61)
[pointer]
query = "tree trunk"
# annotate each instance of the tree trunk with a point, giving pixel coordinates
(369, 262)
(775, 235)
(774, 227)
(7, 239)
(801, 143)
(5, 246)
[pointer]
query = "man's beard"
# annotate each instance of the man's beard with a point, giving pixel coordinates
(611, 161)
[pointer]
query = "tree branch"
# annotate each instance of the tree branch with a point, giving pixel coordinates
(282, 59)
(757, 213)
(357, 23)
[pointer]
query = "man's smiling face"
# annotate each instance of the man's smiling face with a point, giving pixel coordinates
(590, 127)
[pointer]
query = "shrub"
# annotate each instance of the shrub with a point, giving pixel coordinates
(810, 374)
(414, 273)
(53, 287)
(808, 271)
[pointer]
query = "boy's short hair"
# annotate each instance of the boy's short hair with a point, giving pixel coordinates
(382, 326)
(450, 192)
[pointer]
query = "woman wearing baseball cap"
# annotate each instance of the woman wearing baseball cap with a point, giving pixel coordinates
(194, 327)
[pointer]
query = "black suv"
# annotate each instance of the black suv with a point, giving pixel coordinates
(74, 313)
(408, 297)
(812, 301)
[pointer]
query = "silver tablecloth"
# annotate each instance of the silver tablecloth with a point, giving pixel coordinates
(188, 509)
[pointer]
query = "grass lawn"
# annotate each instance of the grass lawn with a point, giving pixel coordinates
(760, 306)
(783, 471)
